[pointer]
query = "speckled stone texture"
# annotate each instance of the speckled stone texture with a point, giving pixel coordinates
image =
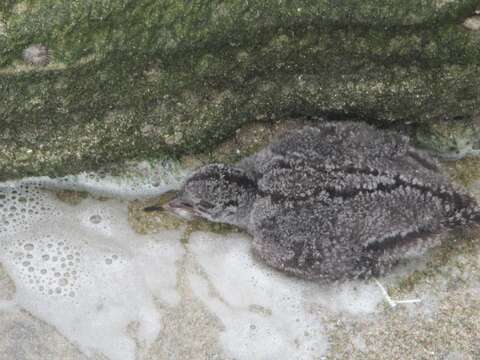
(145, 79)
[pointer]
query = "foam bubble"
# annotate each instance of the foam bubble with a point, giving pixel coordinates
(22, 206)
(138, 180)
(263, 311)
(267, 314)
(87, 278)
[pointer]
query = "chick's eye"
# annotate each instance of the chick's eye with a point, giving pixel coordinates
(205, 204)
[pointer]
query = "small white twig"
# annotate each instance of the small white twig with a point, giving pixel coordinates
(408, 301)
(392, 302)
(385, 294)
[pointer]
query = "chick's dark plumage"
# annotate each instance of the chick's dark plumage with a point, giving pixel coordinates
(333, 201)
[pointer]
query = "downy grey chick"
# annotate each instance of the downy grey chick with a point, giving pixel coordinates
(333, 201)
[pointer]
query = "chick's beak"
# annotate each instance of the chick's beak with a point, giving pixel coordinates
(180, 208)
(178, 203)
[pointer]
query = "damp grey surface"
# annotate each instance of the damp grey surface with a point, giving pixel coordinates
(333, 201)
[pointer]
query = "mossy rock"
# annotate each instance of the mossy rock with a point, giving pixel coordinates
(153, 78)
(451, 139)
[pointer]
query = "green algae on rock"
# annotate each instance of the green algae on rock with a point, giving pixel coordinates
(465, 171)
(451, 139)
(137, 80)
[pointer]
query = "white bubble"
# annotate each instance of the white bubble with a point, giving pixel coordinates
(28, 247)
(95, 219)
(83, 243)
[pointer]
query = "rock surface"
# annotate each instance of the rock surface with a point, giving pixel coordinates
(138, 80)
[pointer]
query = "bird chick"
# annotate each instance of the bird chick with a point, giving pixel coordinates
(334, 201)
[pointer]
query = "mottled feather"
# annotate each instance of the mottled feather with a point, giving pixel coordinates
(333, 201)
